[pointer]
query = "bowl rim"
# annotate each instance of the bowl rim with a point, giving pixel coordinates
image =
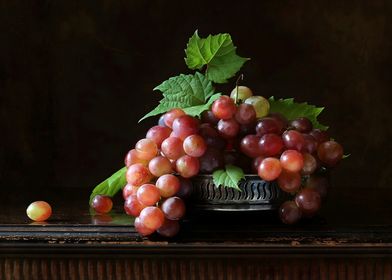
(247, 176)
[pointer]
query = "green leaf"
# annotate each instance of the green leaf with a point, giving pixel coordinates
(192, 93)
(111, 185)
(228, 177)
(292, 110)
(197, 110)
(346, 156)
(217, 52)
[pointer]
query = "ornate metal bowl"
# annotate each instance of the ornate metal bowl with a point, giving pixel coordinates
(255, 195)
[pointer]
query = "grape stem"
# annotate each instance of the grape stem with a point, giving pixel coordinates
(240, 77)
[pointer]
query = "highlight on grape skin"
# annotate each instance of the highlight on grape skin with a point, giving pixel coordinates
(102, 203)
(39, 211)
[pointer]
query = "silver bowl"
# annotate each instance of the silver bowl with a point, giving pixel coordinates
(255, 195)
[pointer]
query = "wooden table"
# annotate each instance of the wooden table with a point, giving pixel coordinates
(350, 239)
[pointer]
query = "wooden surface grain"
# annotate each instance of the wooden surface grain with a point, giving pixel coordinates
(78, 244)
(196, 268)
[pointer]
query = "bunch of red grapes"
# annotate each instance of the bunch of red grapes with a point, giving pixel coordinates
(237, 130)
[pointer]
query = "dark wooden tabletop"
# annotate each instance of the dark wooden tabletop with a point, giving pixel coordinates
(351, 238)
(350, 222)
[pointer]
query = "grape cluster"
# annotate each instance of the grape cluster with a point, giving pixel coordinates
(291, 152)
(237, 130)
(158, 169)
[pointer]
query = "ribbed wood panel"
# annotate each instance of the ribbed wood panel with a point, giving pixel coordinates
(196, 269)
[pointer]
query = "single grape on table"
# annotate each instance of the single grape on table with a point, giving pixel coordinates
(102, 203)
(39, 211)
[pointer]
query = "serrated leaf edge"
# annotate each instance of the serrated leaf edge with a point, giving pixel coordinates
(202, 82)
(291, 101)
(217, 177)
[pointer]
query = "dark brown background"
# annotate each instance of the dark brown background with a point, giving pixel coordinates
(76, 77)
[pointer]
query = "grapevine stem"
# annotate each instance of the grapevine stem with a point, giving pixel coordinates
(240, 77)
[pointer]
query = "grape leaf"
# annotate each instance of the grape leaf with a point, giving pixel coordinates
(228, 177)
(292, 110)
(111, 185)
(192, 93)
(217, 52)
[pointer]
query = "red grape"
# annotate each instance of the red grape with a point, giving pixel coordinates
(293, 140)
(173, 208)
(141, 228)
(159, 166)
(308, 200)
(211, 161)
(224, 108)
(148, 194)
(133, 157)
(245, 114)
(310, 144)
(39, 211)
(250, 146)
(289, 181)
(319, 135)
(185, 126)
(146, 149)
(169, 228)
(270, 144)
(194, 145)
(256, 163)
(129, 190)
(172, 148)
(302, 124)
(292, 160)
(212, 137)
(173, 114)
(319, 182)
(228, 128)
(186, 188)
(152, 217)
(247, 129)
(137, 174)
(330, 153)
(168, 185)
(209, 117)
(187, 166)
(269, 169)
(310, 164)
(282, 121)
(289, 213)
(161, 120)
(158, 134)
(132, 206)
(268, 125)
(102, 203)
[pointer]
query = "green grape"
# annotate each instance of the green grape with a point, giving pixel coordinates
(243, 93)
(260, 104)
